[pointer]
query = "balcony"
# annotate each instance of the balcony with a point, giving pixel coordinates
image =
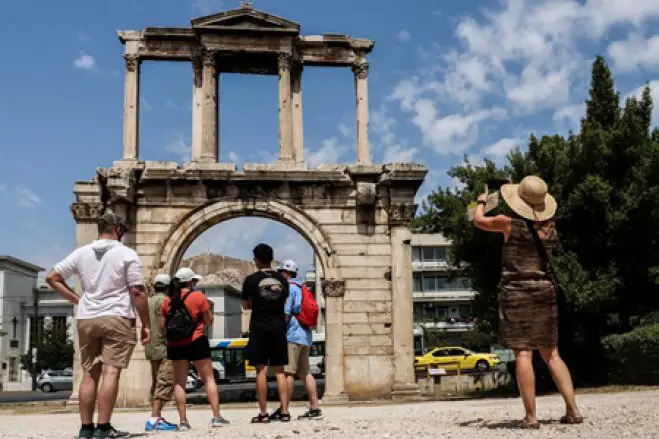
(444, 296)
(448, 324)
(430, 265)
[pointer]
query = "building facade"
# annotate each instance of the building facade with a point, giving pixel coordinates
(442, 296)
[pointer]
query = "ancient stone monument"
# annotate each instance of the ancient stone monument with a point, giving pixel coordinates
(356, 217)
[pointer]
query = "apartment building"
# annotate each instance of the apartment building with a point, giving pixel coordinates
(442, 297)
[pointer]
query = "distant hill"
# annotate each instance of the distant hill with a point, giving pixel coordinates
(218, 269)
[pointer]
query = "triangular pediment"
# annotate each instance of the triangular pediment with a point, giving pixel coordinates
(246, 19)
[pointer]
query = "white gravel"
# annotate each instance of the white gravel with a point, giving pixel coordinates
(612, 415)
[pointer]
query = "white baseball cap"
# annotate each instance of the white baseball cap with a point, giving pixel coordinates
(184, 275)
(197, 277)
(162, 280)
(289, 266)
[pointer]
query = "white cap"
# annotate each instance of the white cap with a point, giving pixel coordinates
(162, 280)
(289, 266)
(184, 275)
(197, 277)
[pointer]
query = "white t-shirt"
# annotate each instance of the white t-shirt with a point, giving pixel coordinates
(106, 269)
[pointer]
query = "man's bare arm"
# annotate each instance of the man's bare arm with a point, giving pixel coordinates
(246, 304)
(141, 302)
(58, 284)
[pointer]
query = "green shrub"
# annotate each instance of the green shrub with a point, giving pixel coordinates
(633, 357)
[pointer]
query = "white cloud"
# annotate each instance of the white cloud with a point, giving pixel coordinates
(570, 115)
(500, 148)
(398, 154)
(539, 90)
(634, 52)
(404, 36)
(346, 131)
(654, 87)
(330, 152)
(180, 147)
(85, 62)
(145, 104)
(452, 134)
(27, 198)
(207, 7)
(233, 157)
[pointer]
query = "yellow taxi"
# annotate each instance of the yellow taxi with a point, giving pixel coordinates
(449, 358)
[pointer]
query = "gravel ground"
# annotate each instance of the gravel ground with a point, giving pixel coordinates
(612, 415)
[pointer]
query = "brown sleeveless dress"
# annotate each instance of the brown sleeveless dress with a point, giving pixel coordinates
(528, 312)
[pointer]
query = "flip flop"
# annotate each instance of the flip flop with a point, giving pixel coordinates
(261, 419)
(526, 425)
(570, 419)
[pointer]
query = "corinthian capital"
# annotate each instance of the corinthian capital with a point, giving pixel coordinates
(132, 63)
(401, 214)
(334, 288)
(284, 61)
(208, 57)
(361, 69)
(86, 212)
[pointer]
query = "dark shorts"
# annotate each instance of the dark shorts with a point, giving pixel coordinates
(197, 350)
(267, 348)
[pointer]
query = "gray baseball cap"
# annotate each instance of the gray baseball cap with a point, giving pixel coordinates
(113, 220)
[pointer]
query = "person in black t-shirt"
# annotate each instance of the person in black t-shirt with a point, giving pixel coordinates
(265, 293)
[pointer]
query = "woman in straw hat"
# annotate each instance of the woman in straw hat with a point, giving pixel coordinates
(528, 312)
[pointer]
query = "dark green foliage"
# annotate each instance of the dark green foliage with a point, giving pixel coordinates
(54, 352)
(606, 181)
(632, 358)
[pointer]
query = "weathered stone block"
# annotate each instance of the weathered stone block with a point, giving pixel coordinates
(365, 272)
(367, 284)
(367, 329)
(365, 261)
(363, 249)
(379, 295)
(366, 306)
(355, 317)
(379, 317)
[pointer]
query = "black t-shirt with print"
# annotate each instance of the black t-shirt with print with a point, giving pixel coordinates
(268, 291)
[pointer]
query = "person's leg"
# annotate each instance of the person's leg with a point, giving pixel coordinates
(526, 383)
(282, 387)
(562, 378)
(291, 368)
(312, 390)
(205, 370)
(180, 381)
(87, 395)
(262, 388)
(108, 393)
(156, 404)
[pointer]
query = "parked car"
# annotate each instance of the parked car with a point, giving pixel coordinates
(449, 358)
(54, 380)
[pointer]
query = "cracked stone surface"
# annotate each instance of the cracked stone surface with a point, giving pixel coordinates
(612, 415)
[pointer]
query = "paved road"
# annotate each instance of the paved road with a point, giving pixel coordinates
(228, 393)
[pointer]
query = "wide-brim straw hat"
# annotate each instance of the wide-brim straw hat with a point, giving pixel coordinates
(530, 199)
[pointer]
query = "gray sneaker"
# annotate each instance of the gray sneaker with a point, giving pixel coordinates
(86, 434)
(184, 426)
(219, 422)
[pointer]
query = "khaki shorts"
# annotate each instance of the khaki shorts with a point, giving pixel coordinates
(298, 360)
(107, 340)
(162, 379)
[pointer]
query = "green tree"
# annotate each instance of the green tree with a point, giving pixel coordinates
(606, 181)
(55, 351)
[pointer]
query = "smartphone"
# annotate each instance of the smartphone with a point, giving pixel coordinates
(495, 184)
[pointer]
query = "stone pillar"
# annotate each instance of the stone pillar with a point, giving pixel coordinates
(197, 109)
(361, 91)
(286, 153)
(298, 130)
(400, 217)
(320, 297)
(132, 108)
(210, 147)
(334, 290)
(86, 216)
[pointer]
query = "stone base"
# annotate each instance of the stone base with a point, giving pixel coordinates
(406, 392)
(277, 166)
(338, 399)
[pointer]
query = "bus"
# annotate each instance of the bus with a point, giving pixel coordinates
(230, 363)
(230, 360)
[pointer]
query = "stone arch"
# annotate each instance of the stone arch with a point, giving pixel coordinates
(192, 225)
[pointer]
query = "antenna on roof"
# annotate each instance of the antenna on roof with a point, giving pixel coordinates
(247, 4)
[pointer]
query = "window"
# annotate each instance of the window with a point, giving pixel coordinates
(317, 349)
(465, 311)
(416, 254)
(417, 282)
(441, 353)
(456, 352)
(36, 332)
(429, 283)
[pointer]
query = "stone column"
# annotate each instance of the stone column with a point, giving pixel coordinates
(286, 153)
(210, 147)
(320, 297)
(298, 134)
(361, 91)
(132, 108)
(197, 109)
(334, 290)
(400, 217)
(86, 216)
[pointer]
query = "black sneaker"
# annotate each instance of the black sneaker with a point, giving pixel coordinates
(110, 432)
(276, 415)
(312, 414)
(86, 433)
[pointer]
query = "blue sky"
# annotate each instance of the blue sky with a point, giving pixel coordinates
(447, 78)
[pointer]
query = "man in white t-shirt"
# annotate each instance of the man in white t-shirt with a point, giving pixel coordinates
(113, 289)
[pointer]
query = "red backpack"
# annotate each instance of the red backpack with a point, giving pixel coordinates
(309, 309)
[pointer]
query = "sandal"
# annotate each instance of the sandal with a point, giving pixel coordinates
(261, 419)
(285, 417)
(571, 419)
(526, 425)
